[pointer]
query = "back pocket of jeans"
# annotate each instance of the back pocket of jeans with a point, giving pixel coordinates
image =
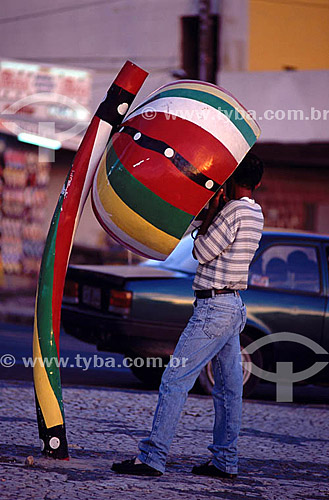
(219, 320)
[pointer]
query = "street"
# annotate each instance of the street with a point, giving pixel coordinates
(16, 340)
(284, 447)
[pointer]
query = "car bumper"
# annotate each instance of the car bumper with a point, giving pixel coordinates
(120, 334)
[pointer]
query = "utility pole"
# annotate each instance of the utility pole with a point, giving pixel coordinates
(205, 56)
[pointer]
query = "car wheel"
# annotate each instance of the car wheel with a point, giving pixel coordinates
(250, 381)
(150, 376)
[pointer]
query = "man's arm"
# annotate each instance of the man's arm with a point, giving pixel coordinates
(211, 243)
(210, 214)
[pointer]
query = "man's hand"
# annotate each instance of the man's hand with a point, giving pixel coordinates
(215, 205)
(216, 202)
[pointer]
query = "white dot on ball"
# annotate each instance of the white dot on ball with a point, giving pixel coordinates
(42, 445)
(54, 443)
(137, 136)
(122, 108)
(209, 184)
(169, 152)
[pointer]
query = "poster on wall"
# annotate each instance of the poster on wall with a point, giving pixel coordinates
(44, 100)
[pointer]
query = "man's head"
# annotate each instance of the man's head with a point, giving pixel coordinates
(246, 177)
(249, 172)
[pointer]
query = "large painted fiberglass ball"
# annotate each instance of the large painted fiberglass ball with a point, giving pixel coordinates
(170, 156)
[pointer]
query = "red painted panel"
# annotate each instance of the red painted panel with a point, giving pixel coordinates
(159, 175)
(67, 220)
(131, 78)
(196, 145)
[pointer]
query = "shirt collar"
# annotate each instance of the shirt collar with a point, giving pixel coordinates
(249, 200)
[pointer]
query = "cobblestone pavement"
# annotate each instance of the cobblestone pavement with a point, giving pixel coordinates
(284, 449)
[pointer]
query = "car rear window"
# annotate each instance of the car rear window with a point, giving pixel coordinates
(287, 267)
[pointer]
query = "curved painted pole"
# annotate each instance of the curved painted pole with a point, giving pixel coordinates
(47, 382)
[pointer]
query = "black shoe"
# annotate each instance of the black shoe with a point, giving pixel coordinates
(129, 467)
(209, 469)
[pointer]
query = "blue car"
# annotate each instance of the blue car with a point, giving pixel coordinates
(141, 310)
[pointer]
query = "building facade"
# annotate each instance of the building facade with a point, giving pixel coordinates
(272, 55)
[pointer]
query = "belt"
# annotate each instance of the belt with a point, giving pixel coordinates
(206, 294)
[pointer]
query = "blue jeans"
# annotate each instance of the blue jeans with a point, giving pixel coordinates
(212, 333)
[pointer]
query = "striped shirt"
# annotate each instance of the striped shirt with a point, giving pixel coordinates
(226, 250)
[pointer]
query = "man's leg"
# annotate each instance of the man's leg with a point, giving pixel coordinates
(227, 396)
(198, 345)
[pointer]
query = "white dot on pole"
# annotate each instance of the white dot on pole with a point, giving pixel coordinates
(54, 443)
(169, 152)
(122, 108)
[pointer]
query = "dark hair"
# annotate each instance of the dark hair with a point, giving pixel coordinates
(249, 172)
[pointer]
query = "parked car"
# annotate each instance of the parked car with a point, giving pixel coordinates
(141, 310)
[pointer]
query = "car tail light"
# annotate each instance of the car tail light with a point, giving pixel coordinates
(120, 301)
(71, 292)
